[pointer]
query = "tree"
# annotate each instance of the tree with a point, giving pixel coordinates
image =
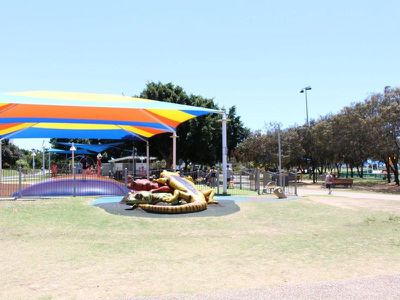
(10, 153)
(200, 138)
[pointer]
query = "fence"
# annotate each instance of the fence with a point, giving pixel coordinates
(245, 182)
(44, 183)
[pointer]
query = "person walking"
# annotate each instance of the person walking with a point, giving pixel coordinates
(329, 182)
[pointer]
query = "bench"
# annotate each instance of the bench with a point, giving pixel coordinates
(346, 182)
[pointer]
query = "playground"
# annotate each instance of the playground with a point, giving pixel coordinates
(73, 248)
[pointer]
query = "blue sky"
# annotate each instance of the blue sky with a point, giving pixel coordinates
(256, 55)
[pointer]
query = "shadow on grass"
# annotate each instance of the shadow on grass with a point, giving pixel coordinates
(225, 207)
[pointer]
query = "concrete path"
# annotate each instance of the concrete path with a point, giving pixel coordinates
(314, 190)
(378, 287)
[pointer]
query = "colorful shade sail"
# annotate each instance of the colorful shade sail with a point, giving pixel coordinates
(135, 115)
(77, 131)
(92, 147)
(60, 151)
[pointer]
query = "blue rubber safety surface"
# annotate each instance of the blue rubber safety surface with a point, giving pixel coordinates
(104, 200)
(116, 199)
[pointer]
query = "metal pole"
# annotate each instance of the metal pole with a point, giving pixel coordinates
(73, 168)
(126, 176)
(133, 163)
(217, 182)
(224, 153)
(279, 156)
(308, 123)
(19, 182)
(49, 161)
(147, 160)
(33, 161)
(43, 162)
(1, 160)
(174, 151)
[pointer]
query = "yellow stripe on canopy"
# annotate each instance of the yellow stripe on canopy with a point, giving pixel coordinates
(15, 128)
(77, 96)
(175, 115)
(137, 131)
(73, 126)
(76, 126)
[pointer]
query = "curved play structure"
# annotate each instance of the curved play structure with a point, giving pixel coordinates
(185, 198)
(65, 187)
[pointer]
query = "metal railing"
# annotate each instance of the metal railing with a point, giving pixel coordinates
(45, 183)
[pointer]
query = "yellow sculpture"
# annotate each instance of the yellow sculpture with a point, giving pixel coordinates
(183, 189)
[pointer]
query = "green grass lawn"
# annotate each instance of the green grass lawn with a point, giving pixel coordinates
(69, 249)
(7, 172)
(230, 191)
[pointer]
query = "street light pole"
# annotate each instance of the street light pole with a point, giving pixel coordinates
(307, 88)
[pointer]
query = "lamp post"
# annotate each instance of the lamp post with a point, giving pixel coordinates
(304, 90)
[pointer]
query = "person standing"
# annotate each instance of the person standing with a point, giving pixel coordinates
(329, 182)
(54, 169)
(98, 165)
(213, 177)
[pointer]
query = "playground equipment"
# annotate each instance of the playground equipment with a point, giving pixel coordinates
(184, 191)
(73, 187)
(279, 193)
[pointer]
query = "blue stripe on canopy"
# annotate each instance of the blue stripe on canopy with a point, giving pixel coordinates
(94, 148)
(59, 151)
(73, 134)
(196, 113)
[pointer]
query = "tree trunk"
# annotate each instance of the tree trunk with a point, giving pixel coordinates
(338, 168)
(358, 172)
(362, 171)
(387, 171)
(347, 170)
(314, 175)
(396, 170)
(351, 171)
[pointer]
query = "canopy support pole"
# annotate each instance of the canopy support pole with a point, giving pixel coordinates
(174, 136)
(224, 153)
(174, 151)
(147, 160)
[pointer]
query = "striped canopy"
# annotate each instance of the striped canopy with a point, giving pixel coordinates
(45, 114)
